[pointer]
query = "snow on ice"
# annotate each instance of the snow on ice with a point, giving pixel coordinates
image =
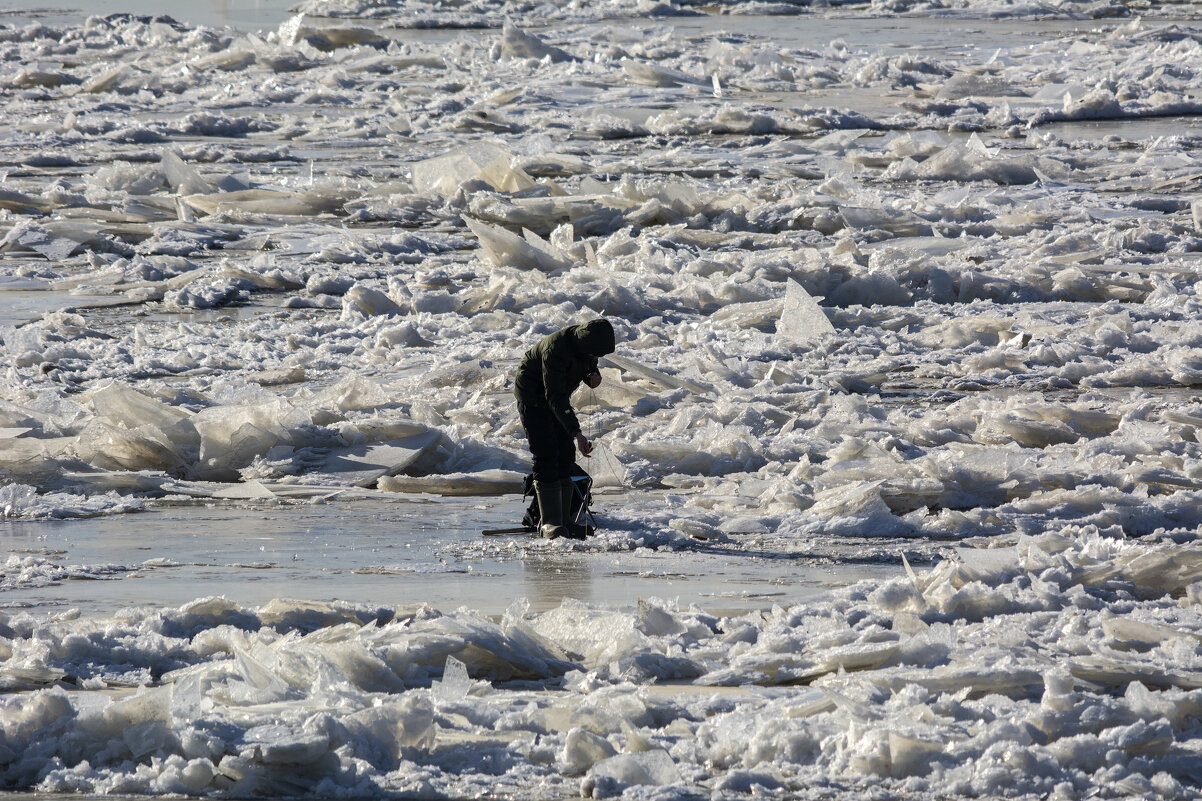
(866, 288)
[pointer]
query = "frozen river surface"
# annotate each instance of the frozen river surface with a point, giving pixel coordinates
(899, 476)
(401, 552)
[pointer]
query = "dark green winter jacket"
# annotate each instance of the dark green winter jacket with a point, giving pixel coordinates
(551, 370)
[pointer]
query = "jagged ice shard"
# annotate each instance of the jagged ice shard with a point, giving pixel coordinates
(802, 320)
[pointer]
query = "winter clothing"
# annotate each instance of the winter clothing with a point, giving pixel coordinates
(552, 449)
(550, 502)
(546, 378)
(551, 370)
(576, 512)
(575, 527)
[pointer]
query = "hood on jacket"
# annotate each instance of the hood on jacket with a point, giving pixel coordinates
(596, 337)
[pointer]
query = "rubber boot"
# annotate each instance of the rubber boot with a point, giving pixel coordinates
(576, 530)
(550, 508)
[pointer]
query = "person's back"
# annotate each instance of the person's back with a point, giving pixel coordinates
(560, 355)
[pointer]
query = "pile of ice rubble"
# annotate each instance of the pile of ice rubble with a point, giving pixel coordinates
(403, 284)
(1067, 667)
(485, 13)
(787, 449)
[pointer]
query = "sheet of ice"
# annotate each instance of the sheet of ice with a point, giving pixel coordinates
(363, 465)
(483, 482)
(657, 378)
(507, 249)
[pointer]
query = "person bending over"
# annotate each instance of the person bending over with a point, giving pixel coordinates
(546, 378)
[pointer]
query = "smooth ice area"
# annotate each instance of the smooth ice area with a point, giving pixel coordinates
(399, 551)
(898, 473)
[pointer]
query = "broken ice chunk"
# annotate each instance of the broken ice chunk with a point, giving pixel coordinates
(546, 251)
(455, 682)
(647, 74)
(299, 29)
(516, 43)
(1133, 632)
(1030, 427)
(380, 734)
(1055, 93)
(483, 482)
(859, 501)
(507, 249)
(140, 720)
(23, 203)
(290, 748)
(655, 376)
(55, 240)
(752, 314)
(47, 79)
(910, 756)
(112, 448)
(267, 201)
(364, 465)
(897, 221)
(231, 436)
(611, 776)
(582, 749)
(246, 490)
(122, 176)
(931, 246)
(873, 288)
(14, 498)
(125, 406)
(966, 163)
(371, 302)
(780, 375)
(967, 84)
(802, 320)
(105, 81)
(404, 335)
(183, 178)
(482, 161)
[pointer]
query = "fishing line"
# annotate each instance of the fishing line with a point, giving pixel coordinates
(594, 427)
(610, 463)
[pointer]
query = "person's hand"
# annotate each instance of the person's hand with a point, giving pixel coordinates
(584, 445)
(593, 379)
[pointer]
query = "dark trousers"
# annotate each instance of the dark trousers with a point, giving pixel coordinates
(552, 448)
